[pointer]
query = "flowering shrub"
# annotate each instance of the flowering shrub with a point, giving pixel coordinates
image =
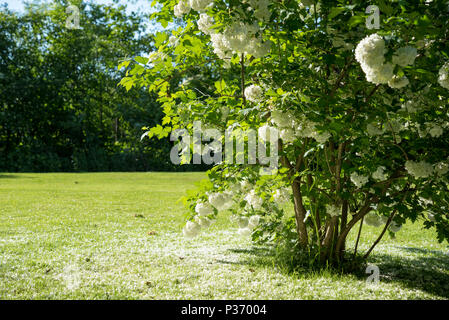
(361, 113)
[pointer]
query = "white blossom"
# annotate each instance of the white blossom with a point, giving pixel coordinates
(398, 83)
(245, 232)
(205, 23)
(281, 195)
(434, 130)
(253, 221)
(420, 169)
(441, 168)
(359, 180)
(333, 210)
(200, 5)
(253, 200)
(394, 227)
(203, 222)
(191, 230)
(204, 209)
(268, 133)
(370, 53)
(254, 93)
(405, 56)
(380, 174)
(182, 8)
(373, 130)
(443, 78)
(373, 220)
(221, 200)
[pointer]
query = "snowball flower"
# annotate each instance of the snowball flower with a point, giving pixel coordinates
(333, 210)
(282, 195)
(205, 23)
(373, 220)
(182, 8)
(435, 130)
(172, 41)
(373, 130)
(359, 180)
(268, 133)
(441, 168)
(398, 83)
(380, 174)
(204, 209)
(405, 56)
(221, 201)
(420, 169)
(203, 222)
(254, 93)
(253, 222)
(443, 78)
(288, 135)
(394, 227)
(281, 119)
(254, 200)
(191, 230)
(321, 137)
(245, 232)
(200, 5)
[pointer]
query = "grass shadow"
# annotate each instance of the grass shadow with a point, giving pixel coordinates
(9, 176)
(426, 270)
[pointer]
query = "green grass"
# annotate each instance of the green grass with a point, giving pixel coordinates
(118, 236)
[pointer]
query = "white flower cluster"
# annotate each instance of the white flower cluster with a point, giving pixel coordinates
(282, 195)
(254, 93)
(204, 209)
(184, 6)
(410, 106)
(434, 130)
(221, 200)
(246, 226)
(370, 53)
(238, 37)
(268, 133)
(394, 227)
(372, 219)
(253, 200)
(441, 168)
(191, 230)
(205, 23)
(200, 5)
(420, 169)
(261, 11)
(373, 130)
(405, 56)
(359, 180)
(291, 127)
(333, 210)
(443, 78)
(380, 174)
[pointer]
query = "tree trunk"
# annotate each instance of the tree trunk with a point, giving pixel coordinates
(300, 214)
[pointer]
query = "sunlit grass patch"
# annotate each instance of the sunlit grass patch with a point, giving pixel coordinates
(118, 236)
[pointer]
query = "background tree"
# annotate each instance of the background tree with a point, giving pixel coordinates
(61, 108)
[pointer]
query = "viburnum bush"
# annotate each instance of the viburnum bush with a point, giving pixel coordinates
(361, 113)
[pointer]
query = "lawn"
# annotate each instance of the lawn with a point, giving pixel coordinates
(118, 236)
